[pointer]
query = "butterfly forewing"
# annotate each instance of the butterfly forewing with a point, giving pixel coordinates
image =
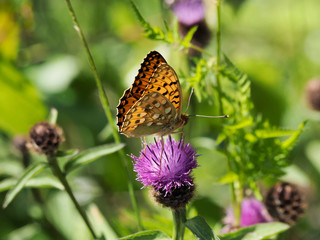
(134, 93)
(152, 114)
(165, 81)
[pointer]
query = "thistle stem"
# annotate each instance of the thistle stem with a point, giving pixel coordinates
(59, 174)
(218, 7)
(179, 218)
(107, 110)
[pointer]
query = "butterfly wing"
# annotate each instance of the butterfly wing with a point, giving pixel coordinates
(151, 114)
(134, 93)
(165, 81)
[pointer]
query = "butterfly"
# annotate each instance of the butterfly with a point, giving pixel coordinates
(153, 104)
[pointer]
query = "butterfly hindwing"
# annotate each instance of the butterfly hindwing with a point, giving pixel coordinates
(152, 114)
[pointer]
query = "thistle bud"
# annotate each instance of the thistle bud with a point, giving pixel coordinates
(313, 93)
(284, 203)
(45, 138)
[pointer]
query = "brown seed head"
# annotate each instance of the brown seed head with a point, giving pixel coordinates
(45, 138)
(285, 203)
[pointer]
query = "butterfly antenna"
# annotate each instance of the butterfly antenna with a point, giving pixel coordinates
(224, 116)
(192, 90)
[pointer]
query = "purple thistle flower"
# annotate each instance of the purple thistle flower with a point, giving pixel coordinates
(252, 212)
(189, 12)
(178, 160)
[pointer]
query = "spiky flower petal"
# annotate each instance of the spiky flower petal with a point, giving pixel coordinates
(168, 172)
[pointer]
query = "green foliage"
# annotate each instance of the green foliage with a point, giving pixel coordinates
(20, 102)
(170, 36)
(28, 174)
(91, 154)
(259, 231)
(255, 149)
(200, 228)
(147, 235)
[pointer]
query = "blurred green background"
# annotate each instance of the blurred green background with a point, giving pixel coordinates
(43, 65)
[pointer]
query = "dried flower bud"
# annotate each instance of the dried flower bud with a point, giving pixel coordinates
(313, 93)
(45, 138)
(284, 203)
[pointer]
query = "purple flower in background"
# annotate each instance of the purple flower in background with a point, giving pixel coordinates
(189, 12)
(252, 212)
(172, 177)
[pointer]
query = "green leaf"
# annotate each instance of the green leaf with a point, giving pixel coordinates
(20, 103)
(148, 235)
(187, 39)
(229, 178)
(91, 154)
(272, 133)
(37, 182)
(290, 142)
(10, 168)
(259, 231)
(100, 224)
(200, 228)
(67, 154)
(28, 174)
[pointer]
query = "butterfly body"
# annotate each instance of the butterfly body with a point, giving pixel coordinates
(153, 104)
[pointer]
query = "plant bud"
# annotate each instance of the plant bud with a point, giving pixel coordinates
(45, 138)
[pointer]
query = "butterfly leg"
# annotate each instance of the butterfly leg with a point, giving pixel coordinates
(162, 149)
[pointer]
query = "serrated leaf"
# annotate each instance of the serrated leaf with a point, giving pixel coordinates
(147, 235)
(259, 231)
(200, 228)
(91, 154)
(100, 223)
(290, 142)
(242, 124)
(28, 174)
(272, 133)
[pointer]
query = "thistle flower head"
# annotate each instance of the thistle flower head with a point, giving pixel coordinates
(168, 172)
(252, 212)
(189, 12)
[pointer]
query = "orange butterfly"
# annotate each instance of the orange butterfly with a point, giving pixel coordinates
(153, 104)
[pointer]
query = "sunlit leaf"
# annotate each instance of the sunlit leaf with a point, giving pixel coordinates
(91, 154)
(29, 173)
(20, 103)
(259, 231)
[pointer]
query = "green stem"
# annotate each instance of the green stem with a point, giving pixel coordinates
(200, 49)
(218, 56)
(179, 219)
(57, 171)
(107, 110)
